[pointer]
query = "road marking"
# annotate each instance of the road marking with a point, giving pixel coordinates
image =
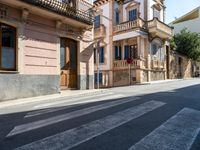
(177, 133)
(81, 100)
(49, 110)
(76, 136)
(49, 121)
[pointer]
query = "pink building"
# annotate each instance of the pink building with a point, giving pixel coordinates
(45, 46)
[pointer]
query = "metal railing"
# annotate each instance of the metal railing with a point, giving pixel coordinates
(78, 9)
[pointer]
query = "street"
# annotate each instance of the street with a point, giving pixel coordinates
(159, 116)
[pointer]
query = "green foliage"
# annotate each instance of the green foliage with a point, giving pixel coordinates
(187, 43)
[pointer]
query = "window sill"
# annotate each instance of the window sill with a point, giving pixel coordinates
(8, 72)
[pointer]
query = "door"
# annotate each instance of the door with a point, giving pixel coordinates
(68, 61)
(168, 61)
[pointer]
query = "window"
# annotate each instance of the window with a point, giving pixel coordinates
(118, 53)
(101, 55)
(117, 16)
(100, 78)
(62, 54)
(126, 52)
(133, 52)
(97, 21)
(95, 55)
(133, 15)
(7, 47)
(156, 13)
(154, 49)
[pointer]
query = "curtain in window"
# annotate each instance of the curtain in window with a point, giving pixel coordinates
(133, 15)
(118, 53)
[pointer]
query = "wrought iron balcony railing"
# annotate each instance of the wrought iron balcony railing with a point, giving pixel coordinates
(75, 9)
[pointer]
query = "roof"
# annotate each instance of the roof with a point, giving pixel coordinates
(189, 16)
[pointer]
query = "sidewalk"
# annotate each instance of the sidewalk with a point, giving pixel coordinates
(67, 93)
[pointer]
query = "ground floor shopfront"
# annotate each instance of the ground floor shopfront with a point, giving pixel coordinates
(41, 55)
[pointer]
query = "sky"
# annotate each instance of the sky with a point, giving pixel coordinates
(177, 8)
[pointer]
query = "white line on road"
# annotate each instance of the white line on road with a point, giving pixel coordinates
(76, 136)
(92, 98)
(177, 133)
(49, 121)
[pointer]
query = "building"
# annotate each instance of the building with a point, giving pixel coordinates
(45, 46)
(189, 21)
(130, 31)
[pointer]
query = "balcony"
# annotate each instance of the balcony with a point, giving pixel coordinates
(156, 64)
(79, 10)
(125, 26)
(100, 32)
(122, 64)
(160, 29)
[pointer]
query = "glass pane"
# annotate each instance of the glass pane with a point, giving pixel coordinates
(73, 55)
(62, 57)
(8, 36)
(8, 58)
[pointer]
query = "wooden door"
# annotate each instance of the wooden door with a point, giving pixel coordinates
(68, 61)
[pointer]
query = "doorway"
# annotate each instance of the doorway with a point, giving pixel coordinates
(68, 64)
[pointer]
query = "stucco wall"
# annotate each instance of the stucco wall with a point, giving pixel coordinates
(191, 25)
(40, 46)
(14, 86)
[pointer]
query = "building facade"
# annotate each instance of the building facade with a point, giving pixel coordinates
(190, 21)
(45, 46)
(130, 31)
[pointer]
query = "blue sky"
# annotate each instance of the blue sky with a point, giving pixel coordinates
(177, 8)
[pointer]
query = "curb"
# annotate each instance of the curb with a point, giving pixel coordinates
(68, 94)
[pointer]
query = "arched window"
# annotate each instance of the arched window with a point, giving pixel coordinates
(157, 51)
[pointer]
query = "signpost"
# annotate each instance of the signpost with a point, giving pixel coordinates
(129, 62)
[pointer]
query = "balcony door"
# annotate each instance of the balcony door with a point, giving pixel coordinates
(68, 63)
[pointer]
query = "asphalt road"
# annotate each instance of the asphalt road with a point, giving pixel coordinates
(162, 116)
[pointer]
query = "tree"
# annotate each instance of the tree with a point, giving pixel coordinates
(187, 43)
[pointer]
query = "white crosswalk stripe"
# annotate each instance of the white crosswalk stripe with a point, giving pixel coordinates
(67, 100)
(76, 136)
(177, 133)
(49, 121)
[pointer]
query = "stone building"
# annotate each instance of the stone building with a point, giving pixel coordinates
(132, 30)
(45, 46)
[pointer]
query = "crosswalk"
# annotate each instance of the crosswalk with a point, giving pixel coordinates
(176, 133)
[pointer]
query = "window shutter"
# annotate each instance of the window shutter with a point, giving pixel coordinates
(126, 52)
(120, 53)
(101, 55)
(116, 52)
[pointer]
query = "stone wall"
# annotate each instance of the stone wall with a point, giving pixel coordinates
(157, 75)
(121, 77)
(180, 66)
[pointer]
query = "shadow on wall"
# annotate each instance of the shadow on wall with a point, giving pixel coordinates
(87, 82)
